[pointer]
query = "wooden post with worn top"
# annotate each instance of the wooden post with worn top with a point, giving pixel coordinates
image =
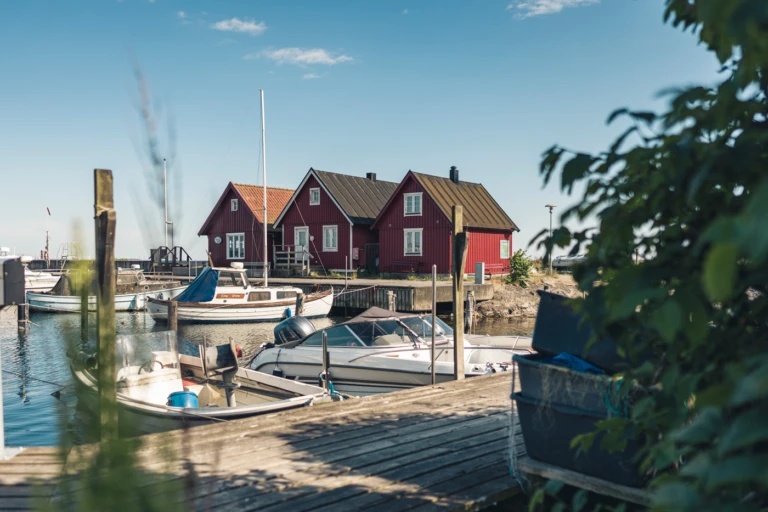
(300, 304)
(105, 220)
(85, 290)
(173, 315)
(459, 245)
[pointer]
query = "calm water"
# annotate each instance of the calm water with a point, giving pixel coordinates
(34, 417)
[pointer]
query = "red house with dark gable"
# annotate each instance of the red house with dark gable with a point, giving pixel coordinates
(415, 225)
(235, 227)
(331, 214)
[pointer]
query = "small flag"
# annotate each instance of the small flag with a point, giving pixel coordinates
(49, 211)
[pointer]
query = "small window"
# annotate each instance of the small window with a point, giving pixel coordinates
(234, 205)
(413, 203)
(235, 246)
(412, 242)
(330, 238)
(314, 196)
(286, 295)
(504, 250)
(258, 296)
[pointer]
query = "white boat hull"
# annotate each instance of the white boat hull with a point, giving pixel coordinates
(232, 313)
(71, 304)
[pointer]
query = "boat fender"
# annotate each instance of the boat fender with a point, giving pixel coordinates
(238, 351)
(287, 313)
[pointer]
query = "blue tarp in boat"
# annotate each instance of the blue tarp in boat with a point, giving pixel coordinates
(202, 289)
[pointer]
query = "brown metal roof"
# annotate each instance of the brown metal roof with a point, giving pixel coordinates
(361, 198)
(480, 209)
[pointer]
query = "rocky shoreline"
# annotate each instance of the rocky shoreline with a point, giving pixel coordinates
(512, 301)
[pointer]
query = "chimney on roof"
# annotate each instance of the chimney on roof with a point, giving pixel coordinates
(371, 176)
(454, 174)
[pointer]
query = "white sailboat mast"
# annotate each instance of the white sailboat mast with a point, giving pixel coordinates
(165, 201)
(264, 166)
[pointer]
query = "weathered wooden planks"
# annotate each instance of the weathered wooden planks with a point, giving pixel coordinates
(28, 478)
(432, 448)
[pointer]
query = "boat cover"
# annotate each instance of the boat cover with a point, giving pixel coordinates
(202, 289)
(374, 313)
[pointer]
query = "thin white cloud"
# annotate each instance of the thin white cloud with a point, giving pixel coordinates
(530, 8)
(225, 41)
(244, 26)
(301, 57)
(310, 76)
(181, 14)
(405, 11)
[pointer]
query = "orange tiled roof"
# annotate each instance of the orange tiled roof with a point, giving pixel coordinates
(253, 195)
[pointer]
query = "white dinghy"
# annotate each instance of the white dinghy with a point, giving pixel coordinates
(159, 390)
(132, 292)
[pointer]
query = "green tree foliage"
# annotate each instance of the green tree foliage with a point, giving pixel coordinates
(688, 190)
(519, 268)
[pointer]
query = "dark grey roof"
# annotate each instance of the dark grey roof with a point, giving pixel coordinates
(480, 209)
(361, 198)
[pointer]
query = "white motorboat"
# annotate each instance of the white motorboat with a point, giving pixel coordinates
(132, 293)
(158, 389)
(377, 352)
(33, 281)
(225, 295)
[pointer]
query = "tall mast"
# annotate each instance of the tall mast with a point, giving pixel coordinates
(165, 201)
(264, 165)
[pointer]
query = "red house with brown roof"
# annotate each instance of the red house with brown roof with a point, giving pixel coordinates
(330, 214)
(235, 227)
(415, 225)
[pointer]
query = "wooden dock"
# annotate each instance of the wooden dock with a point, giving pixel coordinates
(432, 448)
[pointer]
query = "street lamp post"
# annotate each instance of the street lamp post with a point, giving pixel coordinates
(551, 207)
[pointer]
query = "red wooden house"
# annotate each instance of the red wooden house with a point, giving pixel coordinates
(331, 215)
(415, 225)
(235, 227)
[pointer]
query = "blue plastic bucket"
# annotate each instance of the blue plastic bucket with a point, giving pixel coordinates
(185, 399)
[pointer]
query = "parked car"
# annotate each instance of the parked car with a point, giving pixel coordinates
(566, 262)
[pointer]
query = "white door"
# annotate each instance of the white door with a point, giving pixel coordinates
(301, 243)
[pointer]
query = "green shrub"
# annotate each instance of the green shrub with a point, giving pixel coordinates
(519, 268)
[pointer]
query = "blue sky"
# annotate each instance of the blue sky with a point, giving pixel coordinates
(350, 87)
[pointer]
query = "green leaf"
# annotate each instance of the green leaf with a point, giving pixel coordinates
(648, 117)
(716, 395)
(675, 496)
(579, 500)
(552, 487)
(616, 113)
(720, 272)
(536, 500)
(575, 169)
(702, 429)
(743, 469)
(747, 429)
(668, 319)
(752, 387)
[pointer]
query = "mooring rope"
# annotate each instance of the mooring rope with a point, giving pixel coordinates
(355, 291)
(25, 377)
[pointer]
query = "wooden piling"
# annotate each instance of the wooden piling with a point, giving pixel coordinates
(173, 315)
(300, 304)
(326, 361)
(85, 289)
(105, 220)
(460, 244)
(390, 300)
(22, 314)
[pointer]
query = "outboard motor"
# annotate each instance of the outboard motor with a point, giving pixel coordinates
(293, 329)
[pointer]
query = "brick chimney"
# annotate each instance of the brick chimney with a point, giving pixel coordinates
(454, 174)
(371, 176)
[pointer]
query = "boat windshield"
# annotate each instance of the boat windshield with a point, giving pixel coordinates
(142, 355)
(423, 326)
(231, 279)
(363, 334)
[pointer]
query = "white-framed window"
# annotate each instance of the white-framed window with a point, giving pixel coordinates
(314, 196)
(234, 205)
(412, 242)
(330, 238)
(235, 246)
(412, 204)
(504, 250)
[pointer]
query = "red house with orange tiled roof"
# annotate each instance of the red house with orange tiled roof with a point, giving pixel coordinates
(235, 227)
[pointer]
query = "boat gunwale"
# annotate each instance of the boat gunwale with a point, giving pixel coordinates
(313, 297)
